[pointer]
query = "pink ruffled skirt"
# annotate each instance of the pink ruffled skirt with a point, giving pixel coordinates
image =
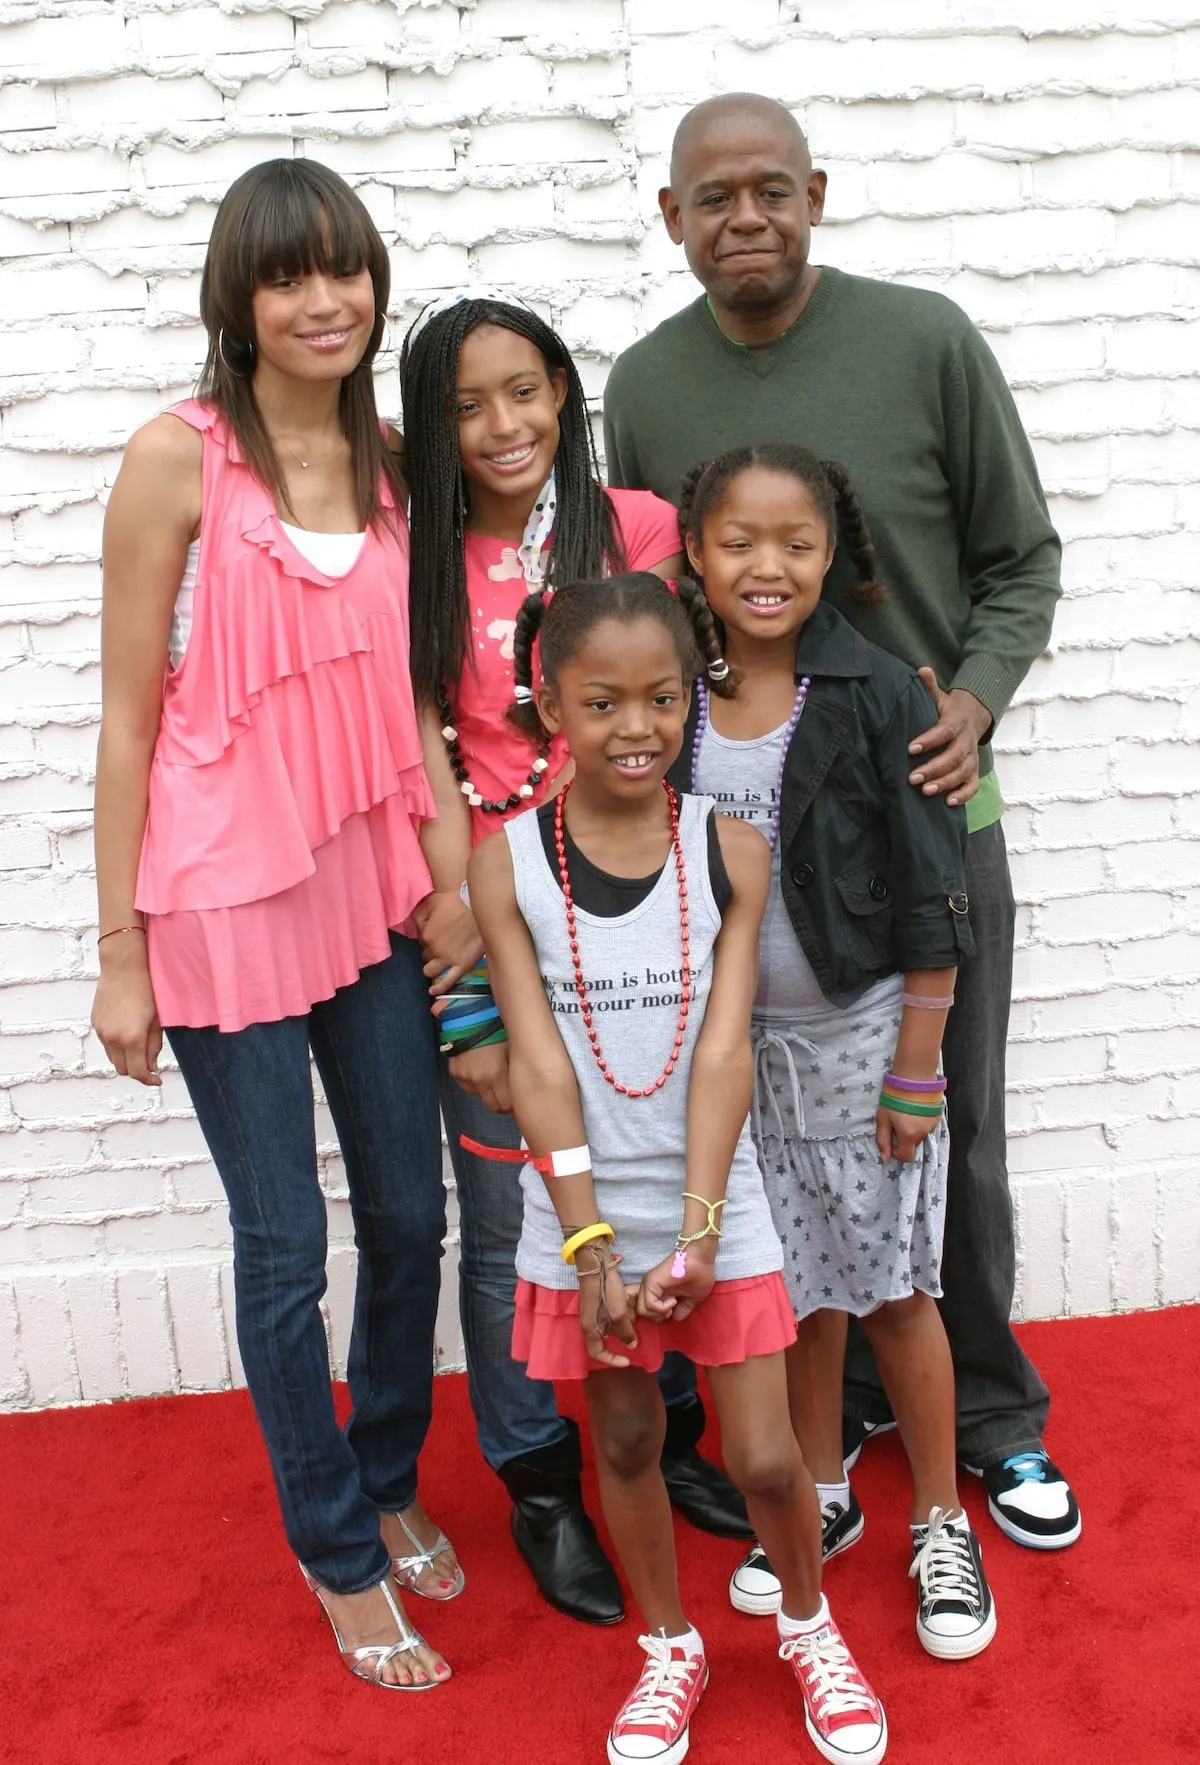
(739, 1319)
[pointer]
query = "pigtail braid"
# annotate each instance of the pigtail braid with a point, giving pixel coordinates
(523, 713)
(720, 677)
(868, 591)
(687, 496)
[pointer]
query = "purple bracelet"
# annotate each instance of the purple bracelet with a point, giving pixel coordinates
(895, 1084)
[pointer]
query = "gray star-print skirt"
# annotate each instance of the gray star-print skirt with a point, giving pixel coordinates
(856, 1230)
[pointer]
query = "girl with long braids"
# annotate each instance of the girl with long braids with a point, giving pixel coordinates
(622, 921)
(506, 498)
(863, 934)
(260, 802)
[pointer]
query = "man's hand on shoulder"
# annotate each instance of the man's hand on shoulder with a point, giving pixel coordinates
(953, 740)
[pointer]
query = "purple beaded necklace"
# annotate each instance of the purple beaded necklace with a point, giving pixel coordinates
(789, 732)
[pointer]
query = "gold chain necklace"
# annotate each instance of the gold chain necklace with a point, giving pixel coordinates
(305, 464)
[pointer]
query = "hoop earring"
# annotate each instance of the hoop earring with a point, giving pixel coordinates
(228, 365)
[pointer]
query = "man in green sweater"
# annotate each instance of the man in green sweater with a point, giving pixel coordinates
(898, 385)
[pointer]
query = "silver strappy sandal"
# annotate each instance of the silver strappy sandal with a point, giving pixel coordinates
(408, 1569)
(369, 1661)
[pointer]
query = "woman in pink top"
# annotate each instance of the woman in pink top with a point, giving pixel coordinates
(259, 810)
(505, 495)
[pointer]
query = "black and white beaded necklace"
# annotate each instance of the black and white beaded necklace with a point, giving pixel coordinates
(529, 553)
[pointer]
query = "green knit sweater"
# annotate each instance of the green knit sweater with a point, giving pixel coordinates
(898, 385)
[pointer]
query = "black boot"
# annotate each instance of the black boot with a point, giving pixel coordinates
(554, 1535)
(703, 1494)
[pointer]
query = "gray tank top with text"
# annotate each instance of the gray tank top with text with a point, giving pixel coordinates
(631, 966)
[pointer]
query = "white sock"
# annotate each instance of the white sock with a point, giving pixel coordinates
(689, 1640)
(802, 1626)
(835, 1494)
(959, 1523)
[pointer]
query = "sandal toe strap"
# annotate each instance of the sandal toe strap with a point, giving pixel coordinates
(421, 1557)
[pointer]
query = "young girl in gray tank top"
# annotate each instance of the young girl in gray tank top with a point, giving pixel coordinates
(621, 925)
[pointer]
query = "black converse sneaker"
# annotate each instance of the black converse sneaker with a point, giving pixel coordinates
(754, 1586)
(1031, 1501)
(956, 1615)
(840, 1527)
(855, 1435)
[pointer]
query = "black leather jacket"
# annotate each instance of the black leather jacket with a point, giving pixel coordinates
(873, 873)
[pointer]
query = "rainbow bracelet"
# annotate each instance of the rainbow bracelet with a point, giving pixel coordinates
(906, 1106)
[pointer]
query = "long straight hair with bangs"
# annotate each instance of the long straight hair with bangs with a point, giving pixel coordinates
(292, 217)
(587, 541)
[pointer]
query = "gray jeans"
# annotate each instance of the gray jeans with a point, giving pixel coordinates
(1000, 1398)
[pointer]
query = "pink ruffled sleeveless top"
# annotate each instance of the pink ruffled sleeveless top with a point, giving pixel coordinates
(287, 786)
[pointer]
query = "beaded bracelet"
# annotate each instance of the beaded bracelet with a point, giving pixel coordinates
(895, 1083)
(907, 1107)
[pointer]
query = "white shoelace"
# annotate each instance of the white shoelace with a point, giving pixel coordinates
(664, 1684)
(838, 1688)
(944, 1564)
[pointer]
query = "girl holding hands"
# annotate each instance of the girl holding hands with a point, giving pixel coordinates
(622, 923)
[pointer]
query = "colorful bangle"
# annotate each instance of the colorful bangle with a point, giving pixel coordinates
(586, 1235)
(895, 1083)
(921, 1003)
(470, 1017)
(907, 1107)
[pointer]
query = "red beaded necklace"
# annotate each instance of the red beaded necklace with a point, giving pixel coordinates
(685, 966)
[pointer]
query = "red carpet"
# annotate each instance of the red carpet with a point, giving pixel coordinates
(153, 1616)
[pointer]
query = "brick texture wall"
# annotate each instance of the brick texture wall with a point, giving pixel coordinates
(1038, 163)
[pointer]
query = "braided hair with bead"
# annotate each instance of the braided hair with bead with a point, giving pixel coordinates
(586, 540)
(563, 620)
(827, 482)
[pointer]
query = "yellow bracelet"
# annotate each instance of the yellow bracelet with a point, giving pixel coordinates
(711, 1229)
(588, 1235)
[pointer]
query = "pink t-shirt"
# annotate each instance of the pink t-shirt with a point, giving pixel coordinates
(497, 757)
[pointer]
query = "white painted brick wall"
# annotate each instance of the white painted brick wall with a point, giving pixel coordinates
(1039, 163)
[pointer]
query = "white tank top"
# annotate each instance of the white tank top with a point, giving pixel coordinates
(332, 553)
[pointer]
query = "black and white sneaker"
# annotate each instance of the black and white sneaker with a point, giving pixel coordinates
(855, 1435)
(1031, 1501)
(956, 1615)
(754, 1586)
(840, 1527)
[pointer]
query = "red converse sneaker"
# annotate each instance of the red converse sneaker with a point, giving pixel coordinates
(652, 1723)
(844, 1718)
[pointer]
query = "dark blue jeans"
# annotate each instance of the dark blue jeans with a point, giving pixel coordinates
(374, 1047)
(1000, 1399)
(513, 1413)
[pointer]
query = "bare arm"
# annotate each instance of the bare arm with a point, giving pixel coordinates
(153, 514)
(545, 1093)
(670, 568)
(918, 1049)
(722, 1073)
(448, 929)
